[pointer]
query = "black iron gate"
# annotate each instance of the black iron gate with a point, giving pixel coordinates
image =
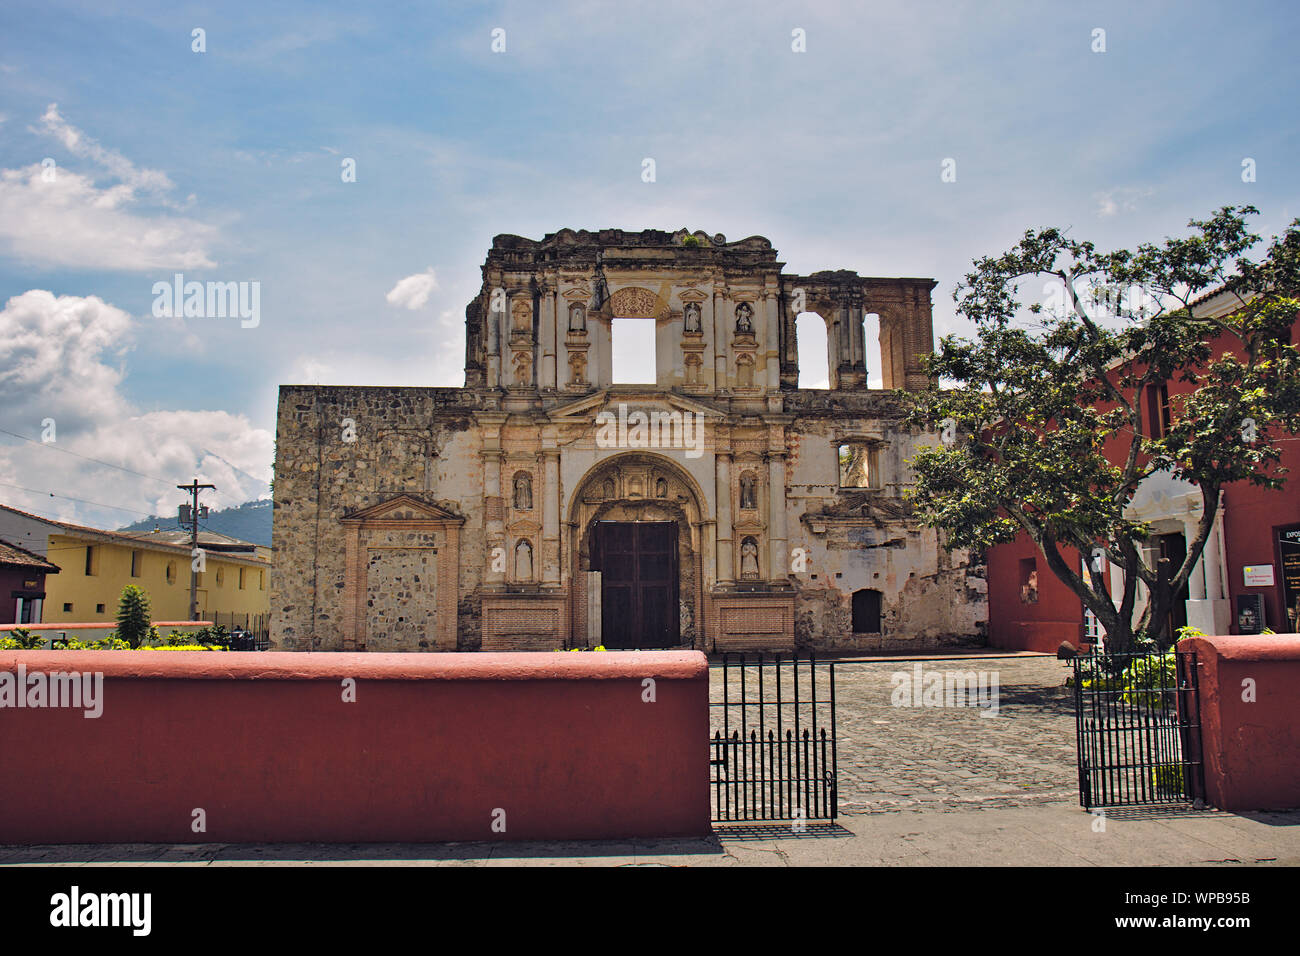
(773, 739)
(1138, 727)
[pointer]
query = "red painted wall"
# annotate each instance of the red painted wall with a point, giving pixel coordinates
(265, 745)
(1015, 625)
(1251, 749)
(15, 579)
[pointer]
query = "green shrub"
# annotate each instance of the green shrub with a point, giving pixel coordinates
(133, 616)
(22, 639)
(1152, 681)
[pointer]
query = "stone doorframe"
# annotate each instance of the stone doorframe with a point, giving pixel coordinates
(402, 520)
(592, 502)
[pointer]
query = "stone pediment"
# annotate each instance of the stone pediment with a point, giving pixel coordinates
(403, 508)
(587, 408)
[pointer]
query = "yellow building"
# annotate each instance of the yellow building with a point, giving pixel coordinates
(95, 565)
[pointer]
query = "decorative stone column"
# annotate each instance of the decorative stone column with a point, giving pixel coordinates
(771, 348)
(1212, 558)
(494, 510)
(709, 323)
(494, 349)
(546, 374)
(724, 531)
(722, 336)
(551, 516)
(778, 556)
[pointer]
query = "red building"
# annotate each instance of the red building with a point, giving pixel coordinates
(22, 584)
(1248, 577)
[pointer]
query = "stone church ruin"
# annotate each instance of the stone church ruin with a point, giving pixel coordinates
(545, 505)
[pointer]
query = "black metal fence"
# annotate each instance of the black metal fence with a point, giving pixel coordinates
(1138, 724)
(773, 751)
(250, 632)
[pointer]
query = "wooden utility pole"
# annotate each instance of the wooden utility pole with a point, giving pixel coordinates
(193, 488)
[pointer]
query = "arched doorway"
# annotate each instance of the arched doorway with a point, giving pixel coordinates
(635, 534)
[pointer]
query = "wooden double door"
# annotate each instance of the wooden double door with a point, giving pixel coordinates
(639, 583)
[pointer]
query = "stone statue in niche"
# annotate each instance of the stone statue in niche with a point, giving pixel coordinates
(692, 317)
(744, 319)
(577, 318)
(661, 488)
(523, 369)
(748, 496)
(749, 558)
(607, 488)
(523, 561)
(523, 492)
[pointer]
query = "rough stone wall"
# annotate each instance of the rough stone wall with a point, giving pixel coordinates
(341, 449)
(425, 442)
(855, 539)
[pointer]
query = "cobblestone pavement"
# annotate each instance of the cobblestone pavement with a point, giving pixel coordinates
(951, 757)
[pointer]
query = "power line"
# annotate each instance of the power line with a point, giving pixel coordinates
(107, 464)
(98, 504)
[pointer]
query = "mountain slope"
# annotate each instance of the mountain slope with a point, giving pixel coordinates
(250, 521)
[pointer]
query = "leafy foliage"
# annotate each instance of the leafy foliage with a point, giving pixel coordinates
(1050, 408)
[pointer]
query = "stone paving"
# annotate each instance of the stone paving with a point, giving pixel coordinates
(950, 757)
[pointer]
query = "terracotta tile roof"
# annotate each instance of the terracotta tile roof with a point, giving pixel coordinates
(12, 556)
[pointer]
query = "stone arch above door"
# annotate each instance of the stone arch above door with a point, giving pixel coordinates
(641, 487)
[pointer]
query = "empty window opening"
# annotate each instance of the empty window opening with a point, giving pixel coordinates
(871, 350)
(1029, 580)
(810, 333)
(633, 351)
(859, 465)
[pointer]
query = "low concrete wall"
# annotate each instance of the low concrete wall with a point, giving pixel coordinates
(1251, 747)
(434, 747)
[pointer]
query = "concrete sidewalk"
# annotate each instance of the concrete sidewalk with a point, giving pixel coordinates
(1055, 834)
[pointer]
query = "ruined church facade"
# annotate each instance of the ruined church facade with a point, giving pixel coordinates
(544, 506)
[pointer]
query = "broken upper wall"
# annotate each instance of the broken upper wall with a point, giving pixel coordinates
(843, 299)
(724, 315)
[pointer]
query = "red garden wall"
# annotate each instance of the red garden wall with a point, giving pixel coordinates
(1251, 749)
(432, 748)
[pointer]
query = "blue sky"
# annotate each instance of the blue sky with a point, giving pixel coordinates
(225, 165)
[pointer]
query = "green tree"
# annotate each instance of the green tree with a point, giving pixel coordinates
(1045, 390)
(133, 625)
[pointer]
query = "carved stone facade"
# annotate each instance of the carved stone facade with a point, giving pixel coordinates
(544, 505)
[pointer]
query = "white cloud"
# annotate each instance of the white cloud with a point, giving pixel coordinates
(52, 358)
(1121, 199)
(413, 291)
(76, 142)
(60, 359)
(58, 217)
